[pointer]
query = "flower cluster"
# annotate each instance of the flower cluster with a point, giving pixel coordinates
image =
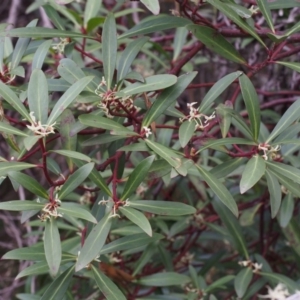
(280, 292)
(269, 151)
(60, 47)
(38, 128)
(50, 210)
(196, 116)
(256, 267)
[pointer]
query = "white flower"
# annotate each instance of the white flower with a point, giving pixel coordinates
(280, 292)
(38, 128)
(147, 131)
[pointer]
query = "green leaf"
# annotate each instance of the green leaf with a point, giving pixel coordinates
(233, 227)
(58, 288)
(279, 278)
(265, 10)
(155, 24)
(254, 170)
(8, 129)
(179, 41)
(138, 218)
(29, 183)
(164, 279)
(152, 83)
(137, 176)
(219, 189)
(128, 56)
(227, 167)
(224, 117)
(275, 193)
(219, 283)
(292, 65)
(75, 180)
(38, 95)
(109, 48)
(13, 100)
(94, 242)
(54, 16)
(165, 208)
(285, 170)
(232, 15)
(42, 32)
(34, 253)
(167, 98)
(72, 154)
(292, 30)
(130, 242)
(75, 210)
(292, 234)
(186, 131)
(92, 8)
(286, 210)
(152, 5)
(52, 246)
(252, 104)
(213, 40)
(105, 123)
(106, 286)
(40, 54)
(67, 98)
(278, 4)
(21, 205)
(242, 281)
(6, 167)
(217, 89)
(289, 117)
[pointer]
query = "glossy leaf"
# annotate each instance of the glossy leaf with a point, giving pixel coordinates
(289, 117)
(67, 98)
(74, 210)
(34, 253)
(242, 281)
(220, 283)
(219, 189)
(158, 23)
(227, 167)
(167, 98)
(75, 180)
(40, 55)
(72, 154)
(213, 40)
(265, 10)
(152, 5)
(286, 210)
(217, 89)
(6, 167)
(186, 131)
(138, 218)
(52, 245)
(91, 10)
(252, 104)
(165, 208)
(8, 129)
(275, 193)
(58, 288)
(285, 170)
(137, 177)
(254, 170)
(29, 183)
(94, 242)
(128, 56)
(106, 286)
(38, 95)
(21, 205)
(109, 48)
(164, 279)
(152, 83)
(179, 41)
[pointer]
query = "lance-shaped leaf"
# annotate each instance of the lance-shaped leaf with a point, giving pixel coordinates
(75, 180)
(275, 193)
(219, 189)
(279, 278)
(227, 167)
(138, 218)
(130, 242)
(252, 104)
(220, 283)
(137, 176)
(94, 242)
(179, 41)
(167, 98)
(29, 183)
(54, 17)
(34, 253)
(186, 131)
(165, 208)
(105, 123)
(75, 210)
(292, 65)
(232, 15)
(217, 89)
(38, 95)
(106, 286)
(152, 83)
(242, 281)
(216, 42)
(128, 56)
(8, 129)
(92, 8)
(7, 94)
(52, 246)
(285, 170)
(159, 23)
(72, 154)
(40, 55)
(21, 205)
(58, 288)
(266, 11)
(67, 98)
(109, 48)
(42, 32)
(289, 117)
(164, 279)
(254, 170)
(292, 234)
(286, 210)
(152, 5)
(224, 117)
(6, 167)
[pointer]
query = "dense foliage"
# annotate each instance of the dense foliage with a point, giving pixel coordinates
(154, 151)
